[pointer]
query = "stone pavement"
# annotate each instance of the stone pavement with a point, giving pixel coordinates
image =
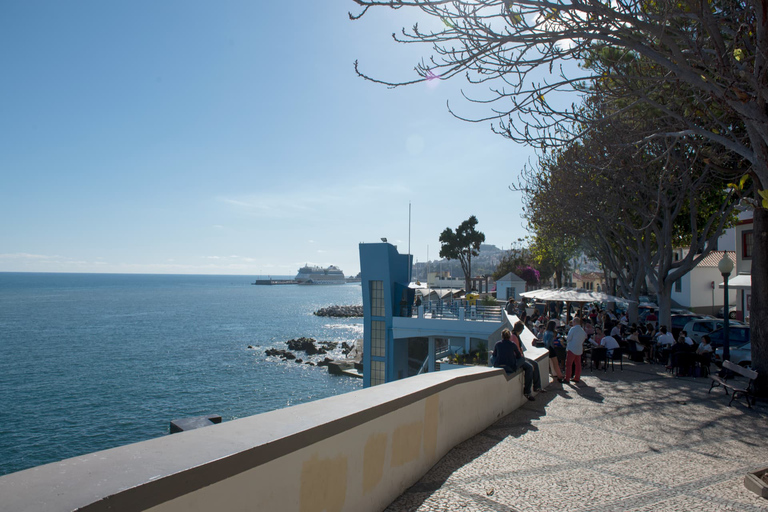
(631, 440)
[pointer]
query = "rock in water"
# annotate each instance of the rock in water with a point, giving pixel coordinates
(341, 311)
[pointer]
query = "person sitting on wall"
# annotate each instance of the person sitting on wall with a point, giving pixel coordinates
(505, 353)
(530, 366)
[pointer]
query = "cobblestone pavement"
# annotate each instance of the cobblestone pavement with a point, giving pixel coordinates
(631, 440)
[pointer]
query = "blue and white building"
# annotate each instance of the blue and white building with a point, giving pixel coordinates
(401, 340)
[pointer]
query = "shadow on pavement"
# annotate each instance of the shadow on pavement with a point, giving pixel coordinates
(515, 424)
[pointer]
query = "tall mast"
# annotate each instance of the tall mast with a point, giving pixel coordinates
(410, 262)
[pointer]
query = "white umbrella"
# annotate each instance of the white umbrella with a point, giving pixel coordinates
(571, 295)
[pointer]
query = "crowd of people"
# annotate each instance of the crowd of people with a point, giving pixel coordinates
(603, 334)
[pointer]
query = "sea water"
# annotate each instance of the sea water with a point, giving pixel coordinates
(93, 361)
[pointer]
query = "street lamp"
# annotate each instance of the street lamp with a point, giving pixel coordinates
(725, 266)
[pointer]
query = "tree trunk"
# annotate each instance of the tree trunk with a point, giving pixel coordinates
(758, 322)
(468, 274)
(665, 305)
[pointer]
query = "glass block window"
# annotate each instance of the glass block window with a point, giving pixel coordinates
(377, 373)
(377, 298)
(746, 245)
(378, 338)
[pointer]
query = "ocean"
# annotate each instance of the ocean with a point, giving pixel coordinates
(94, 361)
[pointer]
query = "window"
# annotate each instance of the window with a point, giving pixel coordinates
(511, 293)
(377, 373)
(679, 285)
(377, 298)
(378, 338)
(746, 245)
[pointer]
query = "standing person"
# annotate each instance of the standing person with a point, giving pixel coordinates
(549, 340)
(531, 368)
(575, 347)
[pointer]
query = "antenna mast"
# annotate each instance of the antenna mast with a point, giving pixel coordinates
(410, 262)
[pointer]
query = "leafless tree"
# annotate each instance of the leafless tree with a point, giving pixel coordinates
(526, 54)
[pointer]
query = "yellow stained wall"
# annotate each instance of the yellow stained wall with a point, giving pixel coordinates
(368, 466)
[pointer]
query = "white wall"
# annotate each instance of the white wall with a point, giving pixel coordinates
(357, 451)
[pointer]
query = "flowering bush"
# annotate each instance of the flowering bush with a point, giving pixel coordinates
(529, 274)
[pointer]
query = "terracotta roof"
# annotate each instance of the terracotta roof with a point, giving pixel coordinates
(713, 258)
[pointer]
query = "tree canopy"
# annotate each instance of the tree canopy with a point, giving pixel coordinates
(461, 245)
(553, 73)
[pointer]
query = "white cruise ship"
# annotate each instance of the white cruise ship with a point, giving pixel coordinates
(320, 275)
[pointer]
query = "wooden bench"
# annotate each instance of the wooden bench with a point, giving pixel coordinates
(738, 389)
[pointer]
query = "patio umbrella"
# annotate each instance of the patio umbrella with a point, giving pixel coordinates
(570, 295)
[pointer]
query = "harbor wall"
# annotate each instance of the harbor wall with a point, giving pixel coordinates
(357, 451)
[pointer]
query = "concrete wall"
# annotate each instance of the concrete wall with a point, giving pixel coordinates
(357, 451)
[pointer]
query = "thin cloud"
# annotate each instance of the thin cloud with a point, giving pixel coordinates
(27, 256)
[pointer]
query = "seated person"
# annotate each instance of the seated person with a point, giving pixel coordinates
(610, 343)
(595, 340)
(665, 342)
(588, 328)
(678, 348)
(704, 354)
(529, 366)
(507, 355)
(636, 345)
(705, 346)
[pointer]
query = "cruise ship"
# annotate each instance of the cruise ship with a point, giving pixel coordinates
(320, 275)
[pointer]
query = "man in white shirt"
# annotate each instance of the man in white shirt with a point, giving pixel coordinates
(610, 343)
(688, 340)
(665, 341)
(575, 347)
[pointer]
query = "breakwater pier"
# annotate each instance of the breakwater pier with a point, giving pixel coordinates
(275, 281)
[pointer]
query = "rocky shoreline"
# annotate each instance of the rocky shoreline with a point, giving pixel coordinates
(311, 347)
(341, 311)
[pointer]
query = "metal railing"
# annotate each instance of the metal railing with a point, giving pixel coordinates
(442, 348)
(459, 310)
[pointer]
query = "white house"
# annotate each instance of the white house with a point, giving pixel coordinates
(741, 279)
(698, 290)
(509, 287)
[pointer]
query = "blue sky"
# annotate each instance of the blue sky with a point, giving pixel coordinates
(230, 138)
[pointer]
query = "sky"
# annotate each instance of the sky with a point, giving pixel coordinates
(232, 137)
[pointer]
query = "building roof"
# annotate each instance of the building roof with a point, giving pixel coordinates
(590, 276)
(511, 277)
(713, 258)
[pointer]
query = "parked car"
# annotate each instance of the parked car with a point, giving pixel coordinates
(732, 312)
(680, 320)
(741, 355)
(701, 326)
(737, 335)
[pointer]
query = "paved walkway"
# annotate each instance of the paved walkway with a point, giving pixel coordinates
(631, 440)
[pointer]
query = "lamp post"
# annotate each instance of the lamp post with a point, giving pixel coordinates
(725, 266)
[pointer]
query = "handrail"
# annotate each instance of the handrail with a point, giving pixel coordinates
(458, 310)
